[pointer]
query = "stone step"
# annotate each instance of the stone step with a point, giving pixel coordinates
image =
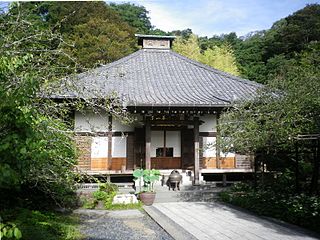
(187, 193)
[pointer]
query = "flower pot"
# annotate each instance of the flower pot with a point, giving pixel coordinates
(147, 198)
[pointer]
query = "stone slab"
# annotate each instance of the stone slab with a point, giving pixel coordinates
(203, 220)
(175, 230)
(133, 213)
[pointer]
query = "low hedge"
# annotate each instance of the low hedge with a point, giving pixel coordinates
(299, 209)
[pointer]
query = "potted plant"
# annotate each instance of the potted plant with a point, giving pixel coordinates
(146, 191)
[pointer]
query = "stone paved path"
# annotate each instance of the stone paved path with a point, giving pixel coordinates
(216, 221)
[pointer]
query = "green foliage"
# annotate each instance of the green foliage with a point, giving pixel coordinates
(188, 47)
(99, 41)
(93, 33)
(287, 107)
(135, 16)
(293, 33)
(9, 231)
(35, 225)
(105, 194)
(108, 187)
(126, 206)
(36, 150)
(149, 177)
(276, 201)
(219, 57)
(100, 195)
(184, 34)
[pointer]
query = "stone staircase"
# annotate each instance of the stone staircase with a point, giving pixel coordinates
(188, 193)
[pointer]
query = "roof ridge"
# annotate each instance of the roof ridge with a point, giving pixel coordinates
(209, 68)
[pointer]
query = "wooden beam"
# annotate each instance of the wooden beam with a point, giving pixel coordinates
(109, 164)
(164, 143)
(217, 142)
(148, 143)
(196, 151)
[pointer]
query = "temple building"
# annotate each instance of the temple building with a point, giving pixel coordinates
(176, 103)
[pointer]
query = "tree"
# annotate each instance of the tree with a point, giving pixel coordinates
(99, 41)
(221, 58)
(293, 33)
(184, 34)
(135, 16)
(93, 32)
(188, 47)
(37, 153)
(288, 106)
(249, 54)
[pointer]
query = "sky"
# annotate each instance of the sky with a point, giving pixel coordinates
(214, 17)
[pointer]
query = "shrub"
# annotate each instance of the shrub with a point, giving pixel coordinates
(298, 209)
(36, 225)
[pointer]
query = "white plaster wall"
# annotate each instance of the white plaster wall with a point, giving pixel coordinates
(119, 147)
(99, 147)
(91, 122)
(229, 154)
(98, 122)
(173, 139)
(157, 140)
(210, 123)
(209, 148)
(117, 126)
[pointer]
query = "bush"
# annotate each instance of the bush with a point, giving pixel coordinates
(298, 209)
(36, 225)
(108, 187)
(9, 231)
(106, 193)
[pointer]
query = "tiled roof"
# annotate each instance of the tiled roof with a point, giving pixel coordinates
(154, 77)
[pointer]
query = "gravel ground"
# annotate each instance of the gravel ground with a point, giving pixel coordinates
(123, 224)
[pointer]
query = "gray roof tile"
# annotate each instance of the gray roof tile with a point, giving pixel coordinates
(162, 78)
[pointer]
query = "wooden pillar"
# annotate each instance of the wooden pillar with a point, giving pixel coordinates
(217, 142)
(148, 143)
(164, 143)
(224, 179)
(196, 152)
(109, 164)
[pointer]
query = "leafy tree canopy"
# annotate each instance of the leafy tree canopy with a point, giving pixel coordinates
(36, 151)
(135, 16)
(94, 32)
(288, 106)
(219, 57)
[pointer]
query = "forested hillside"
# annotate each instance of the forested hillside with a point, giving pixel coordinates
(98, 33)
(259, 56)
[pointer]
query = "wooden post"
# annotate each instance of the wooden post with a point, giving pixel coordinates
(217, 142)
(164, 143)
(196, 151)
(224, 179)
(148, 143)
(109, 164)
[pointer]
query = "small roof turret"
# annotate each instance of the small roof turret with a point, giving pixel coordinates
(155, 41)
